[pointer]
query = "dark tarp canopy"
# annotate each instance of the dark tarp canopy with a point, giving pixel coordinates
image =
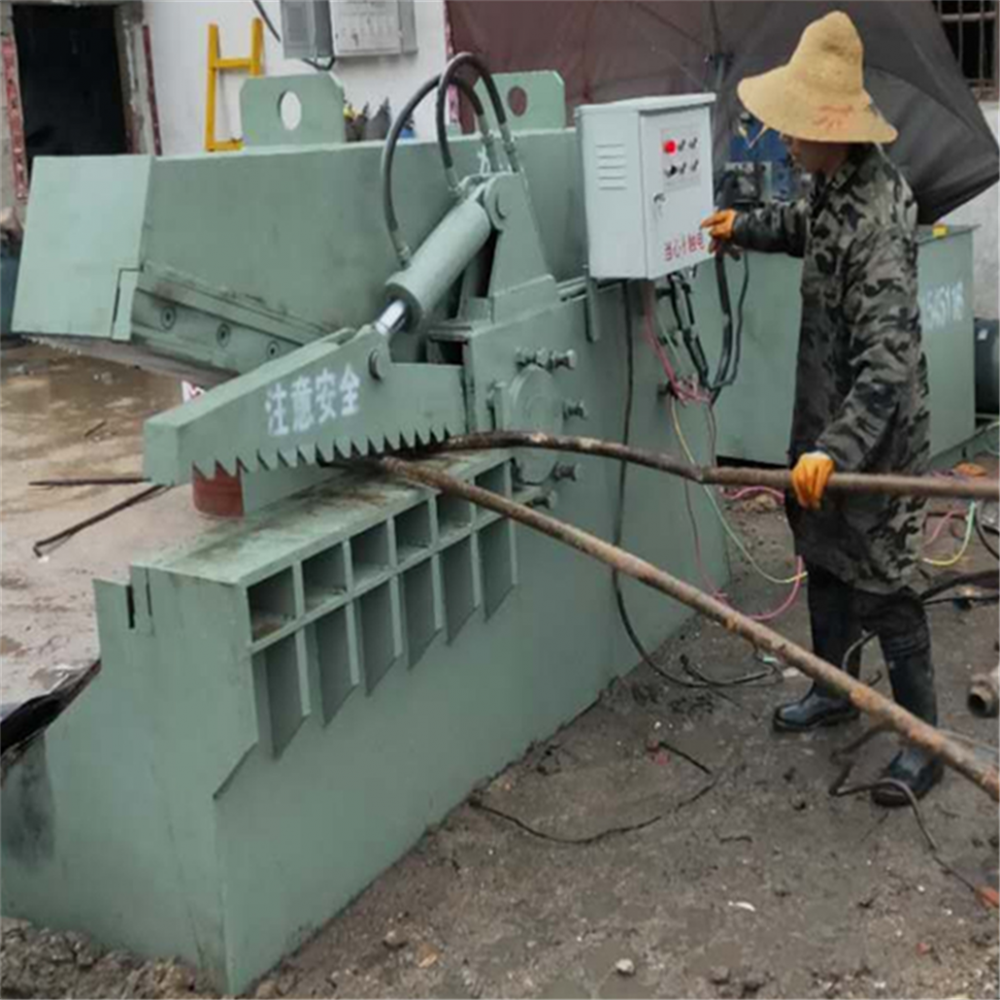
(607, 50)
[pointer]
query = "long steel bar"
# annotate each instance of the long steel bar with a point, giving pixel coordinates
(861, 696)
(779, 479)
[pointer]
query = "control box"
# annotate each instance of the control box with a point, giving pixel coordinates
(373, 27)
(306, 29)
(647, 181)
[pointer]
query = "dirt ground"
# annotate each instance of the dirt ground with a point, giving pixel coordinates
(742, 876)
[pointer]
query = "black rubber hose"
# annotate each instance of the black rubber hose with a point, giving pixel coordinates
(691, 340)
(734, 370)
(265, 17)
(981, 532)
(619, 527)
(722, 370)
(739, 318)
(703, 682)
(448, 77)
(389, 153)
(732, 342)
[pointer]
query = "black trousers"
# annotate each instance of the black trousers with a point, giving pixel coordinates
(840, 614)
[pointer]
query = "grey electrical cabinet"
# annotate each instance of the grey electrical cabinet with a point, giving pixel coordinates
(306, 29)
(647, 181)
(374, 28)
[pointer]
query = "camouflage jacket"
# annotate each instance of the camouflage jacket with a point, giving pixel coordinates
(861, 378)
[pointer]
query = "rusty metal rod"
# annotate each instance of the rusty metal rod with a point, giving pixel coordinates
(94, 481)
(778, 479)
(42, 544)
(860, 695)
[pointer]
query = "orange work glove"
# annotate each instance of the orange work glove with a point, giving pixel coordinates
(720, 228)
(809, 478)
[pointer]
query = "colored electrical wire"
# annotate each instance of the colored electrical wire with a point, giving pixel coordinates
(945, 520)
(619, 528)
(676, 386)
(765, 616)
(795, 581)
(747, 491)
(800, 575)
(735, 538)
(703, 682)
(952, 560)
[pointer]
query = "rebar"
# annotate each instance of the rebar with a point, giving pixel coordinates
(777, 479)
(880, 708)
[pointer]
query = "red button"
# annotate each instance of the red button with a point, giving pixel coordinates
(670, 146)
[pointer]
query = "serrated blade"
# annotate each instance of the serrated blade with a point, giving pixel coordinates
(320, 402)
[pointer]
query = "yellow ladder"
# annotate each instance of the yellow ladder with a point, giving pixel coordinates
(254, 65)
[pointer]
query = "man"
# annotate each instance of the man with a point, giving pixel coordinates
(861, 382)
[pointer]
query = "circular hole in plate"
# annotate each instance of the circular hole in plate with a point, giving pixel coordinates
(290, 109)
(517, 101)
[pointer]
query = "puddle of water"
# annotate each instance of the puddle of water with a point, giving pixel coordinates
(59, 402)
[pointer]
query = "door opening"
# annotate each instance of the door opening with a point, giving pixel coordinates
(71, 84)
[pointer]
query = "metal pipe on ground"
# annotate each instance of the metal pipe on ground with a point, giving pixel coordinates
(880, 708)
(984, 695)
(778, 479)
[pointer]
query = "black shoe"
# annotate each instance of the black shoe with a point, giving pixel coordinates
(915, 769)
(814, 710)
(911, 672)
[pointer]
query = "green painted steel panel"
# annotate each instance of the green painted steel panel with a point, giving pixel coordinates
(302, 232)
(320, 98)
(946, 314)
(87, 225)
(287, 703)
(208, 770)
(755, 414)
(532, 100)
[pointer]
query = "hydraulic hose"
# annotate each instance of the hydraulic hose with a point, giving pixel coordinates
(403, 251)
(690, 336)
(448, 77)
(722, 371)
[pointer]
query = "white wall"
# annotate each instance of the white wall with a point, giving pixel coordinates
(982, 212)
(179, 33)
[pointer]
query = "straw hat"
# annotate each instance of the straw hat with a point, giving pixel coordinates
(820, 94)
